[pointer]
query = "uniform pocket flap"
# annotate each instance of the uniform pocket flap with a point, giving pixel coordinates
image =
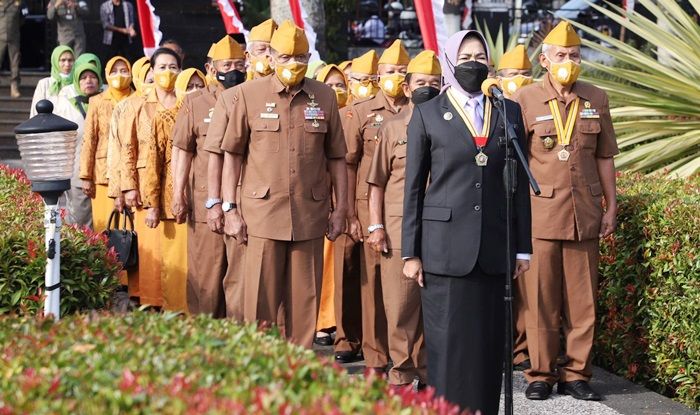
(320, 192)
(266, 125)
(437, 213)
(596, 189)
(396, 210)
(546, 190)
(320, 127)
(257, 192)
(589, 127)
(545, 129)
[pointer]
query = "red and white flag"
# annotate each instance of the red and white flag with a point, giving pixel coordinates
(432, 24)
(629, 5)
(149, 22)
(301, 19)
(232, 20)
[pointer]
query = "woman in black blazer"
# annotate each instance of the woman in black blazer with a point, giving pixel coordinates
(454, 226)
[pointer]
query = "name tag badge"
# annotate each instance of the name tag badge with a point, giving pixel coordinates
(549, 117)
(207, 120)
(269, 115)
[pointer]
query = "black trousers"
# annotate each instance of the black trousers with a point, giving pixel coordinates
(464, 322)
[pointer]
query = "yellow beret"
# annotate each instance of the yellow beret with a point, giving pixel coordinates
(515, 58)
(262, 32)
(564, 35)
(227, 48)
(425, 63)
(210, 54)
(344, 64)
(365, 64)
(396, 54)
(326, 70)
(289, 39)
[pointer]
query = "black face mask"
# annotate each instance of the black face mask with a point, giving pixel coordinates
(423, 94)
(470, 75)
(231, 78)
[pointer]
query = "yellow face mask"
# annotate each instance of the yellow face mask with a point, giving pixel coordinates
(342, 96)
(291, 73)
(260, 65)
(566, 73)
(364, 89)
(120, 82)
(391, 84)
(165, 79)
(513, 83)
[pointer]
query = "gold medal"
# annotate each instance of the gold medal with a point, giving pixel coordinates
(315, 124)
(378, 118)
(481, 159)
(548, 143)
(563, 155)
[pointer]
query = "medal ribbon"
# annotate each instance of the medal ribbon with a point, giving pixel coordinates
(564, 132)
(479, 139)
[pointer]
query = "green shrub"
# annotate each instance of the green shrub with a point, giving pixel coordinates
(150, 363)
(88, 268)
(649, 299)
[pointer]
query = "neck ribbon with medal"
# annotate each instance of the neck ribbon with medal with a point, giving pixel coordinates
(564, 131)
(313, 112)
(480, 140)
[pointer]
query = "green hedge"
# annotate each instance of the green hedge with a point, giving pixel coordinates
(649, 301)
(88, 269)
(150, 363)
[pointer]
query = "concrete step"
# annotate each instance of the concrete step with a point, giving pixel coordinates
(29, 79)
(7, 125)
(8, 147)
(15, 112)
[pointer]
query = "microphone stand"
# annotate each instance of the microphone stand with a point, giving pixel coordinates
(510, 181)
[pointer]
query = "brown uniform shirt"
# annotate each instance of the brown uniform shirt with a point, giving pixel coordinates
(136, 142)
(93, 156)
(190, 135)
(388, 171)
(114, 146)
(285, 187)
(362, 123)
(569, 207)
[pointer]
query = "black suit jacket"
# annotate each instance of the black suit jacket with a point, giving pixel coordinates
(459, 218)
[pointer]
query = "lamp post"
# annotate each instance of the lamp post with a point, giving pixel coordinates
(47, 147)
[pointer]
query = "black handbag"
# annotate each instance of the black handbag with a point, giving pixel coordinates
(124, 241)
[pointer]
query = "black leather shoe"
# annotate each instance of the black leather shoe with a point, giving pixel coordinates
(347, 357)
(578, 389)
(323, 340)
(524, 365)
(538, 390)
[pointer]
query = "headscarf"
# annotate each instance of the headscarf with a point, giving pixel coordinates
(140, 78)
(183, 80)
(59, 81)
(117, 94)
(90, 58)
(313, 67)
(80, 101)
(448, 60)
(136, 69)
(326, 71)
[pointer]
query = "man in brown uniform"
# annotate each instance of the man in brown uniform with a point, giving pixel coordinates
(212, 258)
(572, 144)
(258, 48)
(401, 295)
(286, 129)
(362, 85)
(363, 121)
(9, 40)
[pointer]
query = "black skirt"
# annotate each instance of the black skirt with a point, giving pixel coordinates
(464, 321)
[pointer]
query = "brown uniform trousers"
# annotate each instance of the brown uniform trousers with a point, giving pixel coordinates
(285, 194)
(401, 295)
(363, 121)
(563, 277)
(346, 274)
(211, 260)
(9, 36)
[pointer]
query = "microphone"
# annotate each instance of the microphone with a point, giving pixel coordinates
(491, 89)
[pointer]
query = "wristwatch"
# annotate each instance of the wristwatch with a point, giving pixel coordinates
(228, 206)
(372, 228)
(211, 202)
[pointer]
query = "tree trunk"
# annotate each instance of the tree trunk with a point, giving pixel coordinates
(279, 9)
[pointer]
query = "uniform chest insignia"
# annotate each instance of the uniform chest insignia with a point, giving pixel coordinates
(547, 117)
(548, 143)
(208, 119)
(270, 104)
(587, 104)
(378, 118)
(269, 116)
(447, 116)
(589, 112)
(402, 142)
